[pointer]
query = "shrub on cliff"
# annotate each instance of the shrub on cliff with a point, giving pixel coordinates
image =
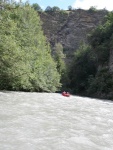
(102, 84)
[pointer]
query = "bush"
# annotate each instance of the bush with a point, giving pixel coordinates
(102, 83)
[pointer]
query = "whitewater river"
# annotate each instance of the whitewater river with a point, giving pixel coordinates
(44, 121)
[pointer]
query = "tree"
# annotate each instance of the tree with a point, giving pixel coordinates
(25, 58)
(48, 9)
(59, 57)
(92, 9)
(55, 8)
(69, 7)
(36, 7)
(83, 66)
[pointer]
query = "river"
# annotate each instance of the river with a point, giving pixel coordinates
(49, 121)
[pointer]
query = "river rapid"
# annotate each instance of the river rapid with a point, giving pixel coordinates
(50, 121)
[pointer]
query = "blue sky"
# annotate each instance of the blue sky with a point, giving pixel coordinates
(62, 4)
(84, 4)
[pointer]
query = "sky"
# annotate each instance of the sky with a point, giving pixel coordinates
(83, 4)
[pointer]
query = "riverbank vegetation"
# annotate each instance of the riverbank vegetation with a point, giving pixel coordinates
(90, 71)
(25, 56)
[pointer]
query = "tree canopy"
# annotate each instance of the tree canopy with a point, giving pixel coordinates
(36, 7)
(25, 56)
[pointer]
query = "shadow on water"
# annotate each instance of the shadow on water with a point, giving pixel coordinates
(4, 91)
(59, 92)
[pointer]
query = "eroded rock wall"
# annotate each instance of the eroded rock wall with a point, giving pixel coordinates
(70, 28)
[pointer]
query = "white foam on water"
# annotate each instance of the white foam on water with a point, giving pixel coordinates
(49, 121)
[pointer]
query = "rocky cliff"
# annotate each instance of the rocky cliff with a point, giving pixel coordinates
(70, 28)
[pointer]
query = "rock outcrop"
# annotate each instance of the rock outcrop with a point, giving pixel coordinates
(70, 28)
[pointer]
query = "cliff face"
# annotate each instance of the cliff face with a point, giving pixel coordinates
(70, 28)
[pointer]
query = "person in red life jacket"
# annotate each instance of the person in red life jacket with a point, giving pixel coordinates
(65, 94)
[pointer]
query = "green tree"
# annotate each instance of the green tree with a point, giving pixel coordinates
(55, 8)
(48, 9)
(26, 62)
(83, 66)
(102, 84)
(92, 9)
(36, 7)
(59, 58)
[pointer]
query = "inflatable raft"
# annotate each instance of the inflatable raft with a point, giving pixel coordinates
(65, 94)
